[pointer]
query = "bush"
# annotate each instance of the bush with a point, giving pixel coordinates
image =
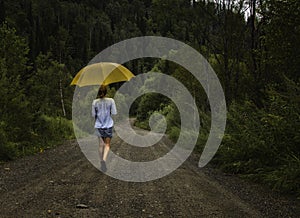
(52, 130)
(8, 150)
(262, 143)
(174, 133)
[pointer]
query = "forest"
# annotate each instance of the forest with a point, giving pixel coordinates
(252, 45)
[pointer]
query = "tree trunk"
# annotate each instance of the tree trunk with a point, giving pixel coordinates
(62, 98)
(253, 40)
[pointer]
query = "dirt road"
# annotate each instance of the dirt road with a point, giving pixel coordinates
(61, 182)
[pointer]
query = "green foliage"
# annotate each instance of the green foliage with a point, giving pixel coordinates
(262, 144)
(174, 133)
(21, 107)
(149, 103)
(8, 150)
(121, 105)
(52, 130)
(14, 115)
(51, 80)
(282, 39)
(204, 130)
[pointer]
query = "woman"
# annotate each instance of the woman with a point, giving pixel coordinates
(102, 109)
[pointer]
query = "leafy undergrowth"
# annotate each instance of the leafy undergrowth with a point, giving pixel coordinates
(48, 132)
(263, 144)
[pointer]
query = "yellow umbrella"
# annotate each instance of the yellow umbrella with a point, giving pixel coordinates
(102, 73)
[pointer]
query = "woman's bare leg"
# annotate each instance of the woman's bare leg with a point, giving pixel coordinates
(106, 148)
(101, 148)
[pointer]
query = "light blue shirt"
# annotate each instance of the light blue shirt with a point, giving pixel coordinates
(105, 107)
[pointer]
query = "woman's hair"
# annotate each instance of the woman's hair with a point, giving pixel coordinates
(102, 91)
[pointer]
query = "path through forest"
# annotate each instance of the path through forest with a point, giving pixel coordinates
(61, 182)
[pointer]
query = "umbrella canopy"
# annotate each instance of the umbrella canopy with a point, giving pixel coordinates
(102, 73)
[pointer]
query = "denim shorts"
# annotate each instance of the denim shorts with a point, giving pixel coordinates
(105, 133)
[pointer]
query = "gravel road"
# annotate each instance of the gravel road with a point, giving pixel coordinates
(61, 182)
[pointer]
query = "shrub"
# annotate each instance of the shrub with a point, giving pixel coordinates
(262, 143)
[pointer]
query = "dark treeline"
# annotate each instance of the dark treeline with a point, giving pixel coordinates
(252, 45)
